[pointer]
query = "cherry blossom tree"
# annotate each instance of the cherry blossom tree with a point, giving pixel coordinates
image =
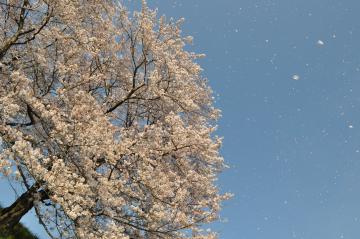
(106, 122)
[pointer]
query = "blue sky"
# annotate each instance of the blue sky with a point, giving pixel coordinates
(293, 145)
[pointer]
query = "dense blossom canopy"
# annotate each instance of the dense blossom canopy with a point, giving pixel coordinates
(106, 113)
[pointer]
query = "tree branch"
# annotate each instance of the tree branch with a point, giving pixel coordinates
(131, 92)
(10, 216)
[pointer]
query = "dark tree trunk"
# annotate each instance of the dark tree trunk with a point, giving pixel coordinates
(11, 216)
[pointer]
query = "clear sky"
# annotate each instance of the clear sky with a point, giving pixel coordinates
(286, 74)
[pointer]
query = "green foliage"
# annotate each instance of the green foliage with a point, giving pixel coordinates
(18, 232)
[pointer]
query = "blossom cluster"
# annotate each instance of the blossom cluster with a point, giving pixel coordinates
(111, 116)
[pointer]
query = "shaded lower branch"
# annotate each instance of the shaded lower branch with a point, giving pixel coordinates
(10, 216)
